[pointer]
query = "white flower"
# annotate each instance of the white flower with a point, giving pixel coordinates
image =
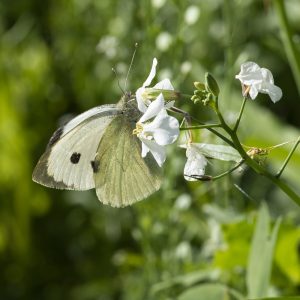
(195, 164)
(164, 41)
(258, 80)
(192, 14)
(141, 96)
(156, 134)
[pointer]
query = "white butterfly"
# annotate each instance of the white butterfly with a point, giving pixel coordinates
(98, 150)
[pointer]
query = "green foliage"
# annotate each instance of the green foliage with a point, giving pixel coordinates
(261, 255)
(210, 291)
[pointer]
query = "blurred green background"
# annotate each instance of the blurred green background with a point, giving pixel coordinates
(55, 62)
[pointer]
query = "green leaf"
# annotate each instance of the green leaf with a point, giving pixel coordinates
(185, 280)
(289, 264)
(221, 152)
(211, 291)
(261, 254)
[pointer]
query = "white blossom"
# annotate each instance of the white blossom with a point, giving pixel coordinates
(141, 96)
(156, 129)
(164, 41)
(258, 80)
(195, 164)
(192, 14)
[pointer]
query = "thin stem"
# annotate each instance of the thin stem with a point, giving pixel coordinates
(221, 136)
(287, 39)
(240, 115)
(260, 170)
(229, 171)
(252, 163)
(178, 110)
(187, 96)
(187, 119)
(205, 126)
(288, 158)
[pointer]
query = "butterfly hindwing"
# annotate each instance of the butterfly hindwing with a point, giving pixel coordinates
(67, 161)
(122, 176)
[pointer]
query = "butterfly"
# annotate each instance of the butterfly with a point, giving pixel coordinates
(98, 149)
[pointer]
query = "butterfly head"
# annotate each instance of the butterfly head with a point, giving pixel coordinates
(128, 105)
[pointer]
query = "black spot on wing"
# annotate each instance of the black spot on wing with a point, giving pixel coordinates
(55, 137)
(75, 157)
(95, 165)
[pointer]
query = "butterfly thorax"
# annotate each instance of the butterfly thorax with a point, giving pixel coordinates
(129, 107)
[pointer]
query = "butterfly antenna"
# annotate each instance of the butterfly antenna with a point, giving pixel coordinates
(130, 66)
(118, 80)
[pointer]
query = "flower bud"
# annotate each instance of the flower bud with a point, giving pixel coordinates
(152, 94)
(211, 84)
(195, 99)
(199, 86)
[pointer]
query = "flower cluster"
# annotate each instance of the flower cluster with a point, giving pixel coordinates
(156, 128)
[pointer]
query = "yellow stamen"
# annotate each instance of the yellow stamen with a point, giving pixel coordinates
(139, 129)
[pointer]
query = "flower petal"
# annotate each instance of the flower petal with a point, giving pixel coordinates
(140, 101)
(153, 109)
(267, 75)
(195, 164)
(145, 149)
(169, 104)
(164, 128)
(253, 92)
(156, 150)
(273, 91)
(249, 67)
(250, 74)
(164, 85)
(151, 74)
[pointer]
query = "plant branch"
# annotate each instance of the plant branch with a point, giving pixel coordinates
(205, 126)
(229, 171)
(288, 158)
(262, 171)
(240, 115)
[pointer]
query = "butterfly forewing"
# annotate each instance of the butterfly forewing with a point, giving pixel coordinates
(122, 176)
(67, 161)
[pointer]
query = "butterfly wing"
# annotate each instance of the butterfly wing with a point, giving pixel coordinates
(68, 160)
(122, 176)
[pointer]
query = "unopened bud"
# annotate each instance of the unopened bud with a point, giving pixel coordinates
(152, 94)
(212, 85)
(195, 99)
(199, 86)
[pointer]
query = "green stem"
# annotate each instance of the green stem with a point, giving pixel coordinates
(221, 136)
(188, 116)
(287, 38)
(288, 158)
(205, 126)
(253, 164)
(240, 115)
(229, 171)
(187, 96)
(260, 170)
